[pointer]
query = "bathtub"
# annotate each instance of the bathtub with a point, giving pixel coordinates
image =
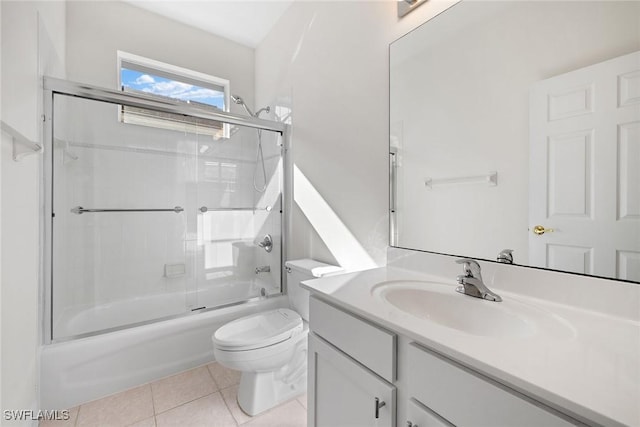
(85, 369)
(82, 320)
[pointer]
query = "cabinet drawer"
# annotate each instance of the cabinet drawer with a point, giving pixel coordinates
(467, 398)
(369, 344)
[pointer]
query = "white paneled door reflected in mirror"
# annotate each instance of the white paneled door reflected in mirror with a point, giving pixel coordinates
(517, 125)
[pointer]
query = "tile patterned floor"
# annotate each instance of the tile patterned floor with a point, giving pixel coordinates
(201, 397)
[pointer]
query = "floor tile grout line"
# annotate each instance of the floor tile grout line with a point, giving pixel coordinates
(75, 423)
(153, 405)
(237, 423)
(190, 401)
(267, 411)
(252, 417)
(303, 407)
(211, 375)
(184, 403)
(205, 365)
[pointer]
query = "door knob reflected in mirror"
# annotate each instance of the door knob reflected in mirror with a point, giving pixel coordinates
(540, 230)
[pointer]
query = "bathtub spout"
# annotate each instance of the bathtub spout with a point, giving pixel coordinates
(263, 269)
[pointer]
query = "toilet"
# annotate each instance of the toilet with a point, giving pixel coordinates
(270, 347)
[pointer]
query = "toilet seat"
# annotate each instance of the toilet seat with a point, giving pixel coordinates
(258, 330)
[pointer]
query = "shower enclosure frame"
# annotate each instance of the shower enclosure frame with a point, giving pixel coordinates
(54, 86)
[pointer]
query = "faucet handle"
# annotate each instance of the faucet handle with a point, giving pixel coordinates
(505, 256)
(470, 267)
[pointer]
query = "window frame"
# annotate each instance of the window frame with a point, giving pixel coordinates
(162, 69)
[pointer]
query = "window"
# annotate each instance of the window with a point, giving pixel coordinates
(158, 79)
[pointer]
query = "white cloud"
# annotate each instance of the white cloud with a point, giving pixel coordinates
(199, 93)
(171, 86)
(179, 90)
(144, 79)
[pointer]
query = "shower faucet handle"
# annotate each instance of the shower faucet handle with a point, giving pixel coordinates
(267, 243)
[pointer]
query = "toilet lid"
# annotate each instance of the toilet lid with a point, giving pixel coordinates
(258, 330)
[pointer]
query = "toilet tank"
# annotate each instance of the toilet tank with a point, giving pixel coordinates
(305, 269)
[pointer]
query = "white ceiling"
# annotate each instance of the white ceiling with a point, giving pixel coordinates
(244, 21)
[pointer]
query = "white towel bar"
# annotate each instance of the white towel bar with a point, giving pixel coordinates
(491, 179)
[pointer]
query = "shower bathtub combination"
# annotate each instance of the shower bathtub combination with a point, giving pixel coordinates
(162, 222)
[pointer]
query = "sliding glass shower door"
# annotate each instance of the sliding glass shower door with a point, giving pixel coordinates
(239, 206)
(150, 223)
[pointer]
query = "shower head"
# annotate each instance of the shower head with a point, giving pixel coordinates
(238, 100)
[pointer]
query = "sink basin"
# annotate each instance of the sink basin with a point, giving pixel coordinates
(439, 303)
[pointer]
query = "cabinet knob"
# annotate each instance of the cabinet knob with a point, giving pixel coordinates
(379, 404)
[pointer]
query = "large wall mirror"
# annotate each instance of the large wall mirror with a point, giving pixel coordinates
(516, 125)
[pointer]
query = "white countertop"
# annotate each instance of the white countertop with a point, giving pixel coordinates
(590, 371)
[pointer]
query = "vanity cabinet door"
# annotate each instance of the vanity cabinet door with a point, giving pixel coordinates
(344, 393)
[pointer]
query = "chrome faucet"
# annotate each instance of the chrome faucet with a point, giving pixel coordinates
(505, 256)
(471, 281)
(267, 243)
(263, 269)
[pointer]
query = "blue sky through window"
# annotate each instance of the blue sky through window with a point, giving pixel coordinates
(170, 88)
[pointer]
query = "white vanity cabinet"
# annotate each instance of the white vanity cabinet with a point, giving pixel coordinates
(355, 365)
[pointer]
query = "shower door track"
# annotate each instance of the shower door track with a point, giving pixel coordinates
(65, 87)
(53, 86)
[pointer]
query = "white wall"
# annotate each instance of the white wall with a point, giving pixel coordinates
(327, 63)
(2, 142)
(32, 44)
(97, 30)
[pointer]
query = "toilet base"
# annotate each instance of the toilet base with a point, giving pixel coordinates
(260, 391)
